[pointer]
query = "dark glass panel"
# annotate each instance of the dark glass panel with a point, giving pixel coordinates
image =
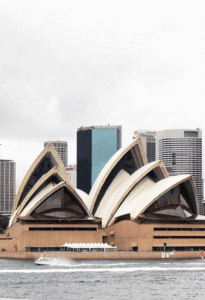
(49, 180)
(171, 204)
(84, 160)
(43, 167)
(60, 204)
(151, 151)
(190, 134)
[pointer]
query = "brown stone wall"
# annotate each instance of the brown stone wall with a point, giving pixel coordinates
(128, 234)
(18, 237)
(57, 238)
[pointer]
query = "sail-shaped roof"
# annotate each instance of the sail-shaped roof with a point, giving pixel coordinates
(129, 159)
(119, 189)
(55, 200)
(127, 187)
(45, 177)
(147, 193)
(47, 159)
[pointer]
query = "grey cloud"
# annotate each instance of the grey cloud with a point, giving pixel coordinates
(45, 56)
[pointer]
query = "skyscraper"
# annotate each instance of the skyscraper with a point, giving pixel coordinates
(149, 143)
(61, 148)
(71, 171)
(95, 146)
(7, 186)
(181, 152)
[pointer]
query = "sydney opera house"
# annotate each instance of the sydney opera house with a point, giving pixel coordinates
(134, 207)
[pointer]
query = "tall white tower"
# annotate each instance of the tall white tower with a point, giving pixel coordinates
(181, 152)
(61, 148)
(71, 171)
(7, 186)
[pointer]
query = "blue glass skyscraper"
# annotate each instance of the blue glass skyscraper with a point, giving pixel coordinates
(95, 146)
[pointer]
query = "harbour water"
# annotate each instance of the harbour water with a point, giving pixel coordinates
(116, 280)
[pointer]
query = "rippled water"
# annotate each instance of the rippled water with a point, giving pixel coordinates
(120, 280)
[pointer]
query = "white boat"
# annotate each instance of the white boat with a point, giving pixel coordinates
(43, 260)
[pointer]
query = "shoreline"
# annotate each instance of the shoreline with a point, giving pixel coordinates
(121, 255)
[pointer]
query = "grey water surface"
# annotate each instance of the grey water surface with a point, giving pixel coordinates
(116, 280)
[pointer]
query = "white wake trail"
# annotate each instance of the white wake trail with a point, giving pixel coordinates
(74, 270)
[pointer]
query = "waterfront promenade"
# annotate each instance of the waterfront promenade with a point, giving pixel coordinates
(121, 255)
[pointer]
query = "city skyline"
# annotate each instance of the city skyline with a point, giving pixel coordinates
(68, 64)
(64, 66)
(40, 146)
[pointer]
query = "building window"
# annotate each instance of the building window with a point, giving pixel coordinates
(190, 134)
(173, 158)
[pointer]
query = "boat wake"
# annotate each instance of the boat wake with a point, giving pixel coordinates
(60, 262)
(94, 270)
(69, 263)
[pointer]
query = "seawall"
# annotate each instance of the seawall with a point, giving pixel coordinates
(124, 255)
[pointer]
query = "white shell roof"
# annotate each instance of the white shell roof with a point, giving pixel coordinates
(129, 202)
(111, 164)
(148, 195)
(126, 194)
(50, 151)
(54, 171)
(110, 198)
(84, 196)
(36, 201)
(117, 192)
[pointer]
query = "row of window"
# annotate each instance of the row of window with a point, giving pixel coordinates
(178, 229)
(190, 248)
(178, 237)
(62, 229)
(42, 249)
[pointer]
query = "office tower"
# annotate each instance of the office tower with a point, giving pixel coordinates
(95, 146)
(61, 148)
(181, 152)
(203, 205)
(149, 143)
(7, 186)
(71, 171)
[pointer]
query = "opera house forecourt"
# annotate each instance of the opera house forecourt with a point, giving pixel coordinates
(134, 210)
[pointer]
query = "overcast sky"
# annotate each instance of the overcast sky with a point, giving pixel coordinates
(139, 64)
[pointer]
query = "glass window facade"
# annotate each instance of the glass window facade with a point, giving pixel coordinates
(151, 152)
(183, 156)
(7, 186)
(104, 146)
(61, 204)
(95, 146)
(43, 167)
(84, 154)
(174, 203)
(190, 134)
